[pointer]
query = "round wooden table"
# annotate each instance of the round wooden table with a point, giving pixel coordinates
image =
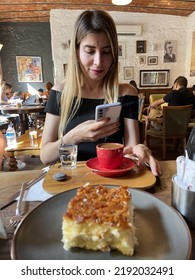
(22, 112)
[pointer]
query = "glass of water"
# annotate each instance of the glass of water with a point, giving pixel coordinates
(68, 156)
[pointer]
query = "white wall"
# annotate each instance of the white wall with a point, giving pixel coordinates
(189, 31)
(156, 29)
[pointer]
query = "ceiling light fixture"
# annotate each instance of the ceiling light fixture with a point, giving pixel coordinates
(1, 46)
(121, 2)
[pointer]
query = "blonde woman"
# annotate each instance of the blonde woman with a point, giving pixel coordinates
(92, 79)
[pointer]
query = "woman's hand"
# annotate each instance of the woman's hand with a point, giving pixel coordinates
(144, 156)
(91, 131)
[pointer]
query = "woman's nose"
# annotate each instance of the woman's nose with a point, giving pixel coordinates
(97, 58)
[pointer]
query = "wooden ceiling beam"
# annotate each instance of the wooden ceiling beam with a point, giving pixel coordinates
(39, 10)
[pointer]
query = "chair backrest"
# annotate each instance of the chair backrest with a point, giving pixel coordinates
(141, 107)
(175, 120)
(156, 96)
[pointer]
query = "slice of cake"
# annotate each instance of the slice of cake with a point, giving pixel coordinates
(100, 218)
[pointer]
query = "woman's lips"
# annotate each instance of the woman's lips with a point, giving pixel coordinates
(97, 72)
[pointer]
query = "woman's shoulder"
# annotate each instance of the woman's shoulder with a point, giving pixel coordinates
(127, 89)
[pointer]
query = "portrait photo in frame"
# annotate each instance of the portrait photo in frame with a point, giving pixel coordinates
(140, 46)
(154, 78)
(128, 73)
(121, 49)
(152, 60)
(29, 69)
(170, 51)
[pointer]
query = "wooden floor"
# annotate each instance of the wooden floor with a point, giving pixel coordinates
(171, 152)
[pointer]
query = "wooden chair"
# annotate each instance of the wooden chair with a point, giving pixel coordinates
(157, 96)
(191, 123)
(141, 107)
(175, 122)
(154, 97)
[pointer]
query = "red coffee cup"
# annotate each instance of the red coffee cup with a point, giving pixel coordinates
(110, 155)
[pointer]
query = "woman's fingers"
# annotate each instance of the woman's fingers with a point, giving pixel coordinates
(143, 155)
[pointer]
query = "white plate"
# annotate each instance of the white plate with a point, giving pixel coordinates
(161, 232)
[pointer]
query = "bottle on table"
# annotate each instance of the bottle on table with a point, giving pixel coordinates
(11, 136)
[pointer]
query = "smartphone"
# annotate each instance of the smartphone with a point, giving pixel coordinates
(111, 111)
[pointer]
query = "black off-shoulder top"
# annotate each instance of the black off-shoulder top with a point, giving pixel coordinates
(86, 111)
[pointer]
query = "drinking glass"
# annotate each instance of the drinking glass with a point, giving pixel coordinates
(68, 156)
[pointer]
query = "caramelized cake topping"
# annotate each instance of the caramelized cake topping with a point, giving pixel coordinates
(101, 205)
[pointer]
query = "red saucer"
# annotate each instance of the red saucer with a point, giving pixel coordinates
(126, 166)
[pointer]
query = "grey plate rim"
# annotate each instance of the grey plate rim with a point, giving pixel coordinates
(159, 201)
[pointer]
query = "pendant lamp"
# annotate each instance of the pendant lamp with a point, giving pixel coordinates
(121, 2)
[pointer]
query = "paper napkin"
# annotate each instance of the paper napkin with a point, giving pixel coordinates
(36, 193)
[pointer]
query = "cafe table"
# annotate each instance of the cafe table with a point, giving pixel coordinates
(25, 146)
(23, 112)
(11, 182)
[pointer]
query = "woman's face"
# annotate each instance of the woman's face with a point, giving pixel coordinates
(95, 56)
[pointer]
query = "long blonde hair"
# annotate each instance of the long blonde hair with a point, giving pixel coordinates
(94, 21)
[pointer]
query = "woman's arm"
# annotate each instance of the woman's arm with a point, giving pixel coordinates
(88, 131)
(157, 103)
(133, 148)
(131, 132)
(50, 142)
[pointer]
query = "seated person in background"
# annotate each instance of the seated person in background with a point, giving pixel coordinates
(42, 95)
(193, 89)
(92, 79)
(134, 84)
(16, 95)
(193, 112)
(6, 94)
(178, 96)
(48, 87)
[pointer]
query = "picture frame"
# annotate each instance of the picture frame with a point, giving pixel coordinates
(128, 73)
(170, 51)
(142, 59)
(140, 46)
(121, 49)
(29, 69)
(152, 60)
(154, 78)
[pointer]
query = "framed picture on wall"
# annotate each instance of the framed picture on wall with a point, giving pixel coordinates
(152, 60)
(140, 46)
(128, 73)
(170, 50)
(29, 69)
(142, 59)
(154, 78)
(121, 49)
